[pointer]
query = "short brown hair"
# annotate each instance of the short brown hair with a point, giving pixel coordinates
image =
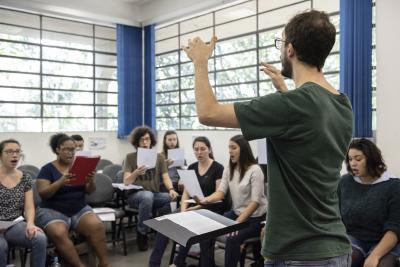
(138, 133)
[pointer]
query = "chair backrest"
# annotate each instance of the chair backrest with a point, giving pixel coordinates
(102, 164)
(112, 170)
(119, 178)
(36, 197)
(104, 190)
(32, 170)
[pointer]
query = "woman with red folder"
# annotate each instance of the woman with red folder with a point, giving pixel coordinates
(64, 207)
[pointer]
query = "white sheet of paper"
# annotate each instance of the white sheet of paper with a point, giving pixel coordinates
(193, 221)
(191, 183)
(105, 214)
(147, 157)
(178, 156)
(84, 153)
(121, 186)
(262, 151)
(8, 224)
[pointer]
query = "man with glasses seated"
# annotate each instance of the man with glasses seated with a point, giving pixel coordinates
(150, 198)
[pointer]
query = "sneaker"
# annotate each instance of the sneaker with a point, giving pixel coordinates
(141, 241)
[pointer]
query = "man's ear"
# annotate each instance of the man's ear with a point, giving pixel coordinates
(290, 50)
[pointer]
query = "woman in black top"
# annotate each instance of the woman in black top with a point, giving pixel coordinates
(370, 206)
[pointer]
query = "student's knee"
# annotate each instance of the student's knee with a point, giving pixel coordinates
(147, 199)
(40, 240)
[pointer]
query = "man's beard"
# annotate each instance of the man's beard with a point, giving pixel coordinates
(287, 68)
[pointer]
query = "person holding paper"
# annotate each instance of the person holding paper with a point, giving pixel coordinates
(308, 130)
(64, 207)
(244, 180)
(150, 198)
(208, 173)
(171, 141)
(16, 200)
(370, 206)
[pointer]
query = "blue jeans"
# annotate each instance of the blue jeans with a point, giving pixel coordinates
(45, 217)
(146, 202)
(15, 237)
(367, 247)
(339, 261)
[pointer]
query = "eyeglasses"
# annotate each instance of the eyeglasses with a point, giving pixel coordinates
(68, 150)
(278, 43)
(12, 152)
(145, 139)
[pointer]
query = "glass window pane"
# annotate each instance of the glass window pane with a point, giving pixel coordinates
(196, 23)
(280, 16)
(272, 4)
(167, 123)
(205, 35)
(335, 20)
(67, 55)
(234, 92)
(20, 110)
(19, 50)
(24, 95)
(187, 96)
(67, 83)
(167, 72)
(16, 64)
(19, 18)
(166, 32)
(236, 28)
(270, 54)
(68, 26)
(106, 111)
(64, 124)
(107, 98)
(67, 40)
(67, 69)
(193, 123)
(167, 85)
(236, 45)
(105, 32)
(332, 63)
(237, 76)
(107, 73)
(333, 79)
(20, 125)
(167, 45)
(336, 46)
(106, 86)
(108, 60)
(235, 12)
(236, 60)
(167, 111)
(105, 45)
(167, 98)
(67, 111)
(268, 37)
(52, 96)
(267, 88)
(18, 79)
(167, 59)
(187, 82)
(16, 33)
(106, 124)
(188, 110)
(373, 78)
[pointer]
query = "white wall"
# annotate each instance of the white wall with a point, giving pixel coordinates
(388, 82)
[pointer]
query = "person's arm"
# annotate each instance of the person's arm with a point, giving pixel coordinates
(184, 204)
(29, 214)
(247, 212)
(90, 186)
(168, 184)
(275, 75)
(387, 243)
(47, 189)
(130, 177)
(209, 111)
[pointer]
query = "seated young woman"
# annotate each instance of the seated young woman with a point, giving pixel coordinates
(64, 208)
(16, 200)
(369, 199)
(209, 173)
(244, 179)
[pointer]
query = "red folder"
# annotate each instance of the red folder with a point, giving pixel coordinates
(81, 168)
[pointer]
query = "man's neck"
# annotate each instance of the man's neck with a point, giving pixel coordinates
(303, 74)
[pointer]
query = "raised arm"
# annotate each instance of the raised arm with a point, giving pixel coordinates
(209, 111)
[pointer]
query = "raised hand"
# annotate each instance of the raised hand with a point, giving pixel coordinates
(198, 51)
(276, 76)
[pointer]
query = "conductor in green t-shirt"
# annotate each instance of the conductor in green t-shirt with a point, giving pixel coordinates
(308, 131)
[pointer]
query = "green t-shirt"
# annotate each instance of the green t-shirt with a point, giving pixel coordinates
(152, 178)
(308, 131)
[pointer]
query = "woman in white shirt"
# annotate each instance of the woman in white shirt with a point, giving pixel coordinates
(244, 179)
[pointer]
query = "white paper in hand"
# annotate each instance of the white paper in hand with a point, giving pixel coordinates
(147, 157)
(262, 151)
(191, 183)
(178, 157)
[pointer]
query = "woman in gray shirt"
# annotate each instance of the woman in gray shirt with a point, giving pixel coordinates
(245, 181)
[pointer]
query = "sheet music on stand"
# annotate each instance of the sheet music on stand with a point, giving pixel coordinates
(187, 228)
